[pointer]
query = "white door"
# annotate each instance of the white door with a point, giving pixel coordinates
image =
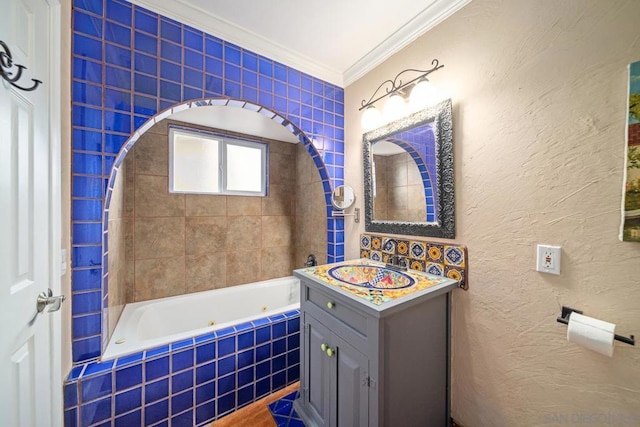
(30, 383)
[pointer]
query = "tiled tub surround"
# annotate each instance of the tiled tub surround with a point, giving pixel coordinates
(190, 382)
(129, 64)
(438, 258)
(183, 243)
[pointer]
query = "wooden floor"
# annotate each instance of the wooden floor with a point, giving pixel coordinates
(255, 415)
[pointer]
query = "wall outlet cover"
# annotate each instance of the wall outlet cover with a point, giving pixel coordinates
(548, 259)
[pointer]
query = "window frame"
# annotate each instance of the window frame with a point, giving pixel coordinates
(223, 141)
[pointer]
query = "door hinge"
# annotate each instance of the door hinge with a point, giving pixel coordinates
(369, 382)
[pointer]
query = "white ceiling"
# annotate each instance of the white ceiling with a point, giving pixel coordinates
(335, 40)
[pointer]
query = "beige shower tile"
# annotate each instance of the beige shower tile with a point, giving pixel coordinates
(162, 128)
(206, 235)
(413, 174)
(244, 205)
(306, 170)
(153, 197)
(242, 267)
(277, 262)
(129, 190)
(282, 147)
(280, 201)
(415, 198)
(205, 272)
(243, 232)
(277, 231)
(152, 154)
(159, 278)
(282, 168)
(397, 175)
(206, 205)
(397, 198)
(159, 237)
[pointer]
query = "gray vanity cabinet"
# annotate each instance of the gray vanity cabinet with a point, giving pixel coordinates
(363, 365)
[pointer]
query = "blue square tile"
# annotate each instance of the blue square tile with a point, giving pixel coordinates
(193, 78)
(182, 344)
(245, 340)
(96, 411)
(145, 105)
(263, 334)
(182, 381)
(70, 394)
(245, 395)
(213, 85)
(117, 33)
(246, 358)
(127, 360)
(118, 77)
(117, 122)
(279, 330)
(193, 39)
(232, 73)
(293, 325)
(169, 90)
(280, 72)
(157, 351)
(226, 365)
(86, 326)
(226, 384)
(263, 388)
(170, 31)
(86, 140)
(88, 233)
(193, 59)
(182, 360)
(157, 368)
(156, 412)
(183, 420)
(87, 117)
(181, 402)
(145, 22)
(263, 352)
(263, 369)
(85, 349)
(293, 374)
(71, 417)
(278, 380)
(145, 84)
(94, 6)
(232, 55)
(226, 403)
(205, 392)
(128, 377)
(213, 47)
(293, 357)
(278, 363)
(170, 51)
(87, 94)
(246, 376)
(129, 420)
(113, 143)
(156, 390)
(206, 412)
(205, 352)
(119, 12)
(97, 368)
(87, 302)
(87, 47)
(191, 93)
(226, 346)
(293, 341)
(128, 400)
(205, 373)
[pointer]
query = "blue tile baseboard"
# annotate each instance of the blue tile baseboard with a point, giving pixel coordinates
(190, 382)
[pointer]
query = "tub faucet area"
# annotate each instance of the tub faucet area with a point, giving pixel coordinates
(311, 261)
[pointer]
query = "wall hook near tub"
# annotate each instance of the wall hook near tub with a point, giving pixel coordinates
(566, 313)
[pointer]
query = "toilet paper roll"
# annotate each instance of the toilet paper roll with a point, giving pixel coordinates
(594, 334)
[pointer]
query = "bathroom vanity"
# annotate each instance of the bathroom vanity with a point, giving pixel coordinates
(375, 347)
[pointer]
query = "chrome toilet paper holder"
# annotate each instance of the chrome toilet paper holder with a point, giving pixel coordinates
(566, 313)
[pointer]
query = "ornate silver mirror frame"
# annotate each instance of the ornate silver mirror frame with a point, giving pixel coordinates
(440, 116)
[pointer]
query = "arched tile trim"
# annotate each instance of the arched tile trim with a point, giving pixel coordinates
(332, 225)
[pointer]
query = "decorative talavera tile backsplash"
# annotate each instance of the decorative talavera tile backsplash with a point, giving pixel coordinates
(437, 258)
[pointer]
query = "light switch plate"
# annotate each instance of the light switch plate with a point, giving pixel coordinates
(548, 259)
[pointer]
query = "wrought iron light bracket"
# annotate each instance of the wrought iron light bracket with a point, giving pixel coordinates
(7, 71)
(396, 85)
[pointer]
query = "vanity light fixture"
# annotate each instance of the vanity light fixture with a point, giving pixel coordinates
(422, 94)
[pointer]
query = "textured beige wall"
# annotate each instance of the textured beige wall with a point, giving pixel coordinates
(539, 93)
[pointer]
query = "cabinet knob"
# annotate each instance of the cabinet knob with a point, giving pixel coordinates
(330, 352)
(330, 304)
(324, 347)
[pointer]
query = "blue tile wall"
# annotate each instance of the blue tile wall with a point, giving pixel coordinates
(187, 382)
(129, 64)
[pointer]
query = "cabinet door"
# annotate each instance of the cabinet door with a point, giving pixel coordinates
(320, 371)
(352, 385)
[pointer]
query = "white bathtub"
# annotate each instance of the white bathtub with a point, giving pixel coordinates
(148, 324)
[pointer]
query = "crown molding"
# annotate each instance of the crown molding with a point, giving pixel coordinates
(199, 18)
(230, 32)
(432, 15)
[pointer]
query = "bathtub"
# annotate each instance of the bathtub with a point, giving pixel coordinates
(191, 372)
(147, 324)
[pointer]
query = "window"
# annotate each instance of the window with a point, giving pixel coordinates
(207, 163)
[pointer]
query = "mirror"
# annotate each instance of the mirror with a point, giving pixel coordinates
(408, 175)
(342, 197)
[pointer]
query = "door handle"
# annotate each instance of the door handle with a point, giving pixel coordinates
(46, 298)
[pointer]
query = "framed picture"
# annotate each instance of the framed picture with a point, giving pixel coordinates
(630, 230)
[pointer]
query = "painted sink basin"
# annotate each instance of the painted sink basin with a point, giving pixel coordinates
(371, 276)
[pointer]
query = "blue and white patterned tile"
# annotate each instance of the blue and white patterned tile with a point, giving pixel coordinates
(454, 255)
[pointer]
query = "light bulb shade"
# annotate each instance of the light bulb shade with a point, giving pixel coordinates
(371, 118)
(423, 94)
(394, 108)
